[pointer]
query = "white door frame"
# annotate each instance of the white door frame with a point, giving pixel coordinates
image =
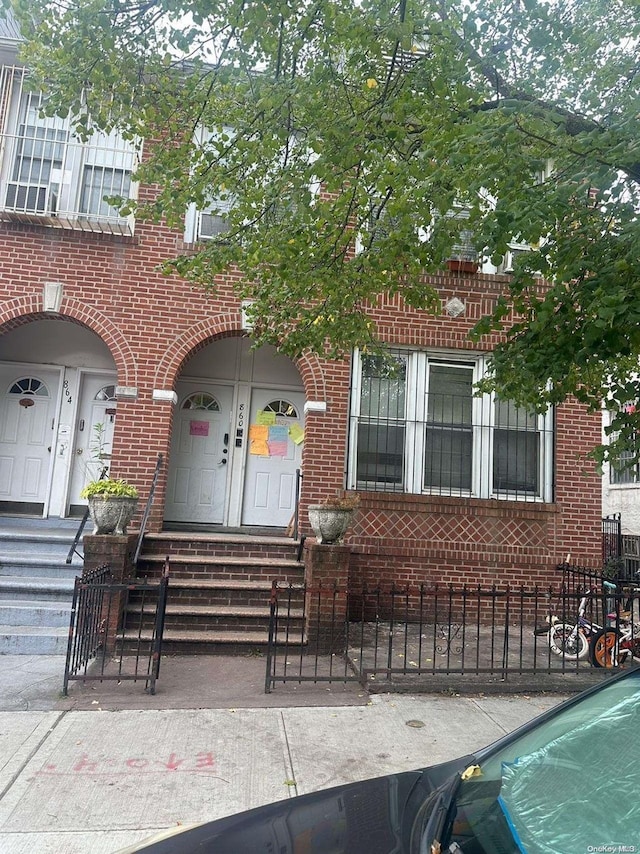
(111, 378)
(29, 368)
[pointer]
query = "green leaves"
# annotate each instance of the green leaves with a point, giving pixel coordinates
(330, 110)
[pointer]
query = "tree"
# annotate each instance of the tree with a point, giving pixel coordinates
(388, 127)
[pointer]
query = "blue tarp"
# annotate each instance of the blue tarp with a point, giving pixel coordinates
(581, 791)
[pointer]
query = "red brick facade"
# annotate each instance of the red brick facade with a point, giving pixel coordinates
(153, 324)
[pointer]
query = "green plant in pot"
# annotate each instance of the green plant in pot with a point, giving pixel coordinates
(331, 519)
(112, 504)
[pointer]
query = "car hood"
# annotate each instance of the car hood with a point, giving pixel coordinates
(382, 815)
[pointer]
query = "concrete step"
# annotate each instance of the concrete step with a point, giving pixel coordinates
(38, 588)
(41, 567)
(59, 539)
(31, 640)
(16, 612)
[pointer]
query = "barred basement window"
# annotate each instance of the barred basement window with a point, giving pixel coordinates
(418, 427)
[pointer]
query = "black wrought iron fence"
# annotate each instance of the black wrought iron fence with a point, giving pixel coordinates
(101, 646)
(611, 538)
(383, 633)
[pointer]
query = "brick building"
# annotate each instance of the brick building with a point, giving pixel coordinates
(452, 487)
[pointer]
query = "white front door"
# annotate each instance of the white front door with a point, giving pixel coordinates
(94, 431)
(27, 421)
(199, 462)
(273, 457)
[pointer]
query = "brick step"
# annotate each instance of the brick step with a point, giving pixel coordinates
(230, 568)
(213, 642)
(215, 591)
(213, 585)
(181, 543)
(228, 618)
(223, 560)
(208, 610)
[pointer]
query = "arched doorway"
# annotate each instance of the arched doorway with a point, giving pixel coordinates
(53, 374)
(237, 438)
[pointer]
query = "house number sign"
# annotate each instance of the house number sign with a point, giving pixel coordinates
(242, 411)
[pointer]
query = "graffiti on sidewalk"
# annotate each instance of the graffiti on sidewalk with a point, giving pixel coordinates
(85, 763)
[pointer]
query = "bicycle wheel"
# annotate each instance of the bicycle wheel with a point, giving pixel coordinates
(566, 640)
(605, 648)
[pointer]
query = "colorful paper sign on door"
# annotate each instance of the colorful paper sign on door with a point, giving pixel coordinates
(258, 435)
(265, 418)
(296, 433)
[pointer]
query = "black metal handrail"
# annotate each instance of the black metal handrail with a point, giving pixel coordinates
(147, 509)
(74, 545)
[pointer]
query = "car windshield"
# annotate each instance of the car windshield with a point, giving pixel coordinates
(570, 784)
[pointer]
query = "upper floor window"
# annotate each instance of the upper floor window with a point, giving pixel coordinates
(210, 221)
(49, 176)
(626, 468)
(418, 427)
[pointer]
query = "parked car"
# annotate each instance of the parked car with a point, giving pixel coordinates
(565, 782)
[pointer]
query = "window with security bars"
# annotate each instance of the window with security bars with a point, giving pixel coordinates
(418, 426)
(49, 175)
(625, 469)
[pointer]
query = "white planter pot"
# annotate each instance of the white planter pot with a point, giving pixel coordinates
(111, 514)
(329, 524)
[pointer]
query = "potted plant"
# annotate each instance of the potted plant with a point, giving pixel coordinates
(464, 257)
(112, 504)
(331, 518)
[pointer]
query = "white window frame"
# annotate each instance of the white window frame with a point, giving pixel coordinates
(63, 187)
(216, 208)
(483, 429)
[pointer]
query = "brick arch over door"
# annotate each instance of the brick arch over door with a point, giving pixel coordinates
(18, 312)
(204, 333)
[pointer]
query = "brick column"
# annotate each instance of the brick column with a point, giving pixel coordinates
(117, 552)
(327, 580)
(112, 549)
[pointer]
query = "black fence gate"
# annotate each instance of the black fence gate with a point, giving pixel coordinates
(103, 643)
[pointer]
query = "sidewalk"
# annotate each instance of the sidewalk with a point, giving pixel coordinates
(110, 765)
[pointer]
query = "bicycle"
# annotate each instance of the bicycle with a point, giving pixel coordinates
(612, 644)
(573, 639)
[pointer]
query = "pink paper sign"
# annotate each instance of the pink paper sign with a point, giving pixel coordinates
(199, 428)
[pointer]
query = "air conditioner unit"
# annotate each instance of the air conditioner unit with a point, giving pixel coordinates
(509, 257)
(29, 198)
(211, 225)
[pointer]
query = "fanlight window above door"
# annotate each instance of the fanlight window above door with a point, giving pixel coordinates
(203, 401)
(282, 408)
(29, 385)
(107, 392)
